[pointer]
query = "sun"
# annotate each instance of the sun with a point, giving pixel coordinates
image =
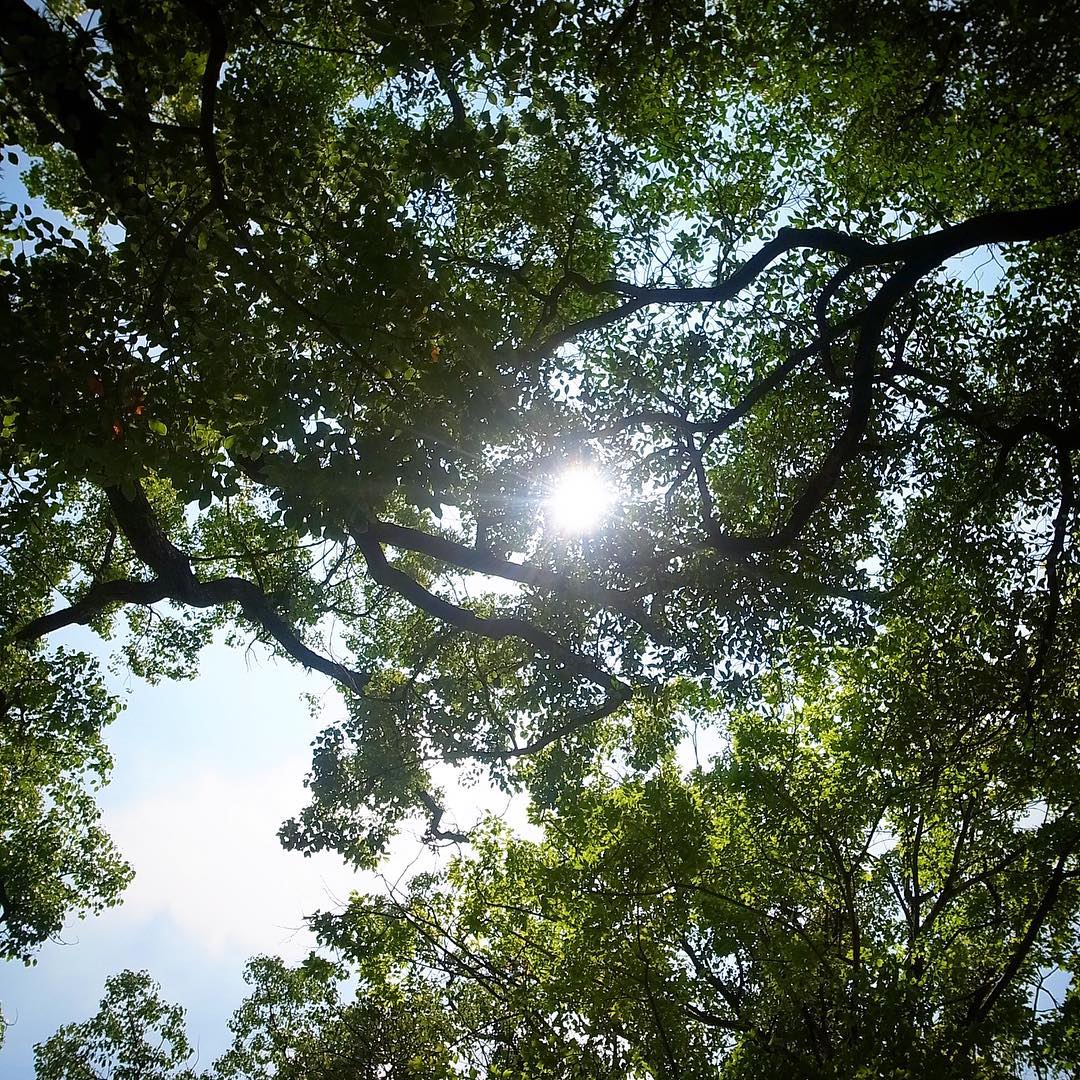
(579, 500)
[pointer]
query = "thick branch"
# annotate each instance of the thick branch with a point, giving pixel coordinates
(228, 590)
(983, 418)
(215, 60)
(1053, 580)
(436, 813)
(497, 628)
(457, 106)
(44, 65)
(142, 530)
(860, 401)
(257, 607)
(7, 907)
(928, 251)
(177, 582)
(464, 557)
(370, 535)
(981, 1007)
(96, 599)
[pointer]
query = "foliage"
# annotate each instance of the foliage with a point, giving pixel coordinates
(54, 857)
(134, 1036)
(319, 301)
(298, 1024)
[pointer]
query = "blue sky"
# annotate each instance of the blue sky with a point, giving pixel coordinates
(205, 772)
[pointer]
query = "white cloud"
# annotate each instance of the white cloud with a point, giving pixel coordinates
(207, 857)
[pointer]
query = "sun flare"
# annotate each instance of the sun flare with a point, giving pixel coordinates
(580, 499)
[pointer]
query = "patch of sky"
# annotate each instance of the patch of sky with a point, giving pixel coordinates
(205, 772)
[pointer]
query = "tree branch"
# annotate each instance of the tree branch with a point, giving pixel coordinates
(176, 581)
(96, 599)
(44, 63)
(927, 251)
(980, 1008)
(465, 557)
(497, 628)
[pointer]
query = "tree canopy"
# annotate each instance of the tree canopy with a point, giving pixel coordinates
(317, 305)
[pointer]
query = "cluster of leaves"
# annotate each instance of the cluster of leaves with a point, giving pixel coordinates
(874, 875)
(135, 1035)
(54, 857)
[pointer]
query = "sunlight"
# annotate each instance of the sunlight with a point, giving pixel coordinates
(579, 500)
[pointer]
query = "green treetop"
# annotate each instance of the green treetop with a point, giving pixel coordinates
(325, 300)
